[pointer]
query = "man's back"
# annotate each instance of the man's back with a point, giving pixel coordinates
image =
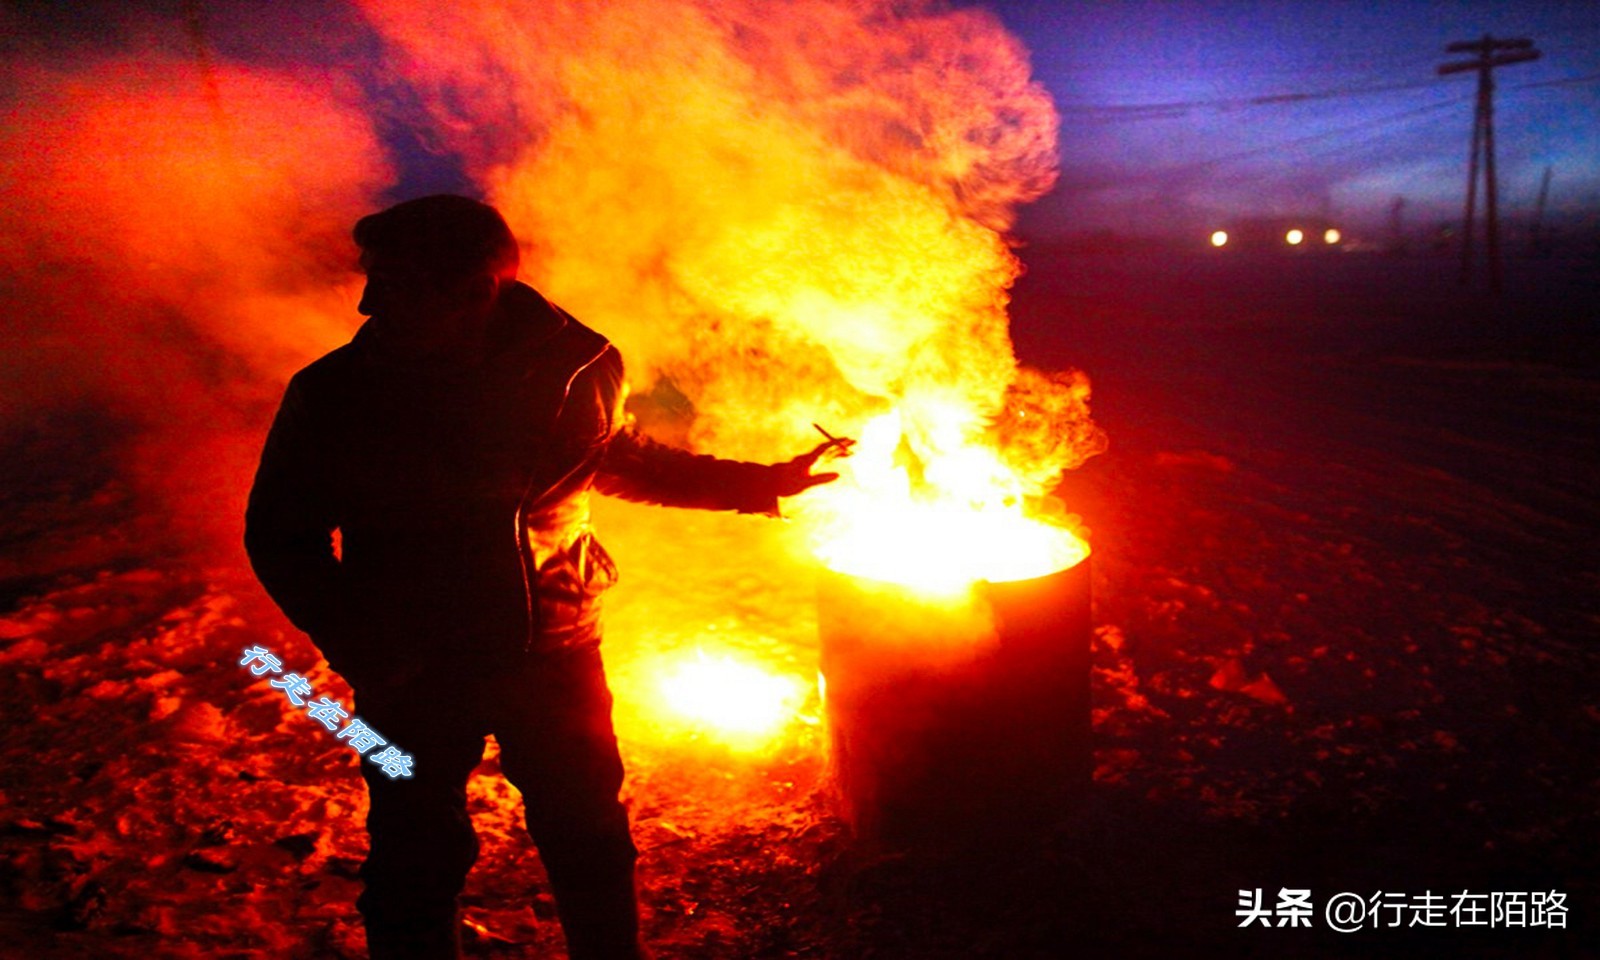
(423, 472)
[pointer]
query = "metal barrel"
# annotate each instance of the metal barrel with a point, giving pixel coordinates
(951, 718)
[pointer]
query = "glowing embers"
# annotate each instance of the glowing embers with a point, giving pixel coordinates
(938, 520)
(724, 698)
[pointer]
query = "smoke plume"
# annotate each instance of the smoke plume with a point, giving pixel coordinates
(781, 215)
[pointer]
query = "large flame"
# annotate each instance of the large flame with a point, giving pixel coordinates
(945, 499)
(785, 219)
(782, 216)
(938, 525)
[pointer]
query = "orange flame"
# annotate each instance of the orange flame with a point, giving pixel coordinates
(789, 219)
(740, 703)
(938, 525)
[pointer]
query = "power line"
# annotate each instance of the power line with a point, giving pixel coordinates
(1429, 116)
(1144, 68)
(1122, 112)
(1406, 117)
(1199, 166)
(1179, 107)
(1590, 78)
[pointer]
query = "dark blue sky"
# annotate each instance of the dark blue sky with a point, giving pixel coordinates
(1134, 168)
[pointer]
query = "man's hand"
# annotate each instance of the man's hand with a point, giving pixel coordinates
(795, 476)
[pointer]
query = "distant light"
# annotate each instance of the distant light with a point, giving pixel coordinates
(1331, 235)
(1294, 237)
(1219, 238)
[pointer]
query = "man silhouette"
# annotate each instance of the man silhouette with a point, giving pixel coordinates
(453, 444)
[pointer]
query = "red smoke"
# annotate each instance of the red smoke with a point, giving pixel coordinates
(175, 241)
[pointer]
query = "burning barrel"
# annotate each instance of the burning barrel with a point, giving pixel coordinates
(956, 713)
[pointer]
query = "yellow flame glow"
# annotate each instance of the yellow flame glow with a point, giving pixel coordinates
(936, 521)
(738, 702)
(1294, 237)
(1219, 238)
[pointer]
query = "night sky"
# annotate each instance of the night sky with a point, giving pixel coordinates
(1157, 130)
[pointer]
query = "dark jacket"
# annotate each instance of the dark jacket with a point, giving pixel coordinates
(461, 499)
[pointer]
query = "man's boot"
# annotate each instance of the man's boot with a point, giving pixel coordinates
(600, 917)
(415, 937)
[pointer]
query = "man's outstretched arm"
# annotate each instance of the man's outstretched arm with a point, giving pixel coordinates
(638, 468)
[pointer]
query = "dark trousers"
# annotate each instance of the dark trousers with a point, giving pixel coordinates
(552, 719)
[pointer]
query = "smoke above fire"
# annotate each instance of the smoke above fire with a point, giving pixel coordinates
(781, 214)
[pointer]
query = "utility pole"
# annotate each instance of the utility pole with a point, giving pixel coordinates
(1397, 225)
(1538, 240)
(194, 24)
(1491, 53)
